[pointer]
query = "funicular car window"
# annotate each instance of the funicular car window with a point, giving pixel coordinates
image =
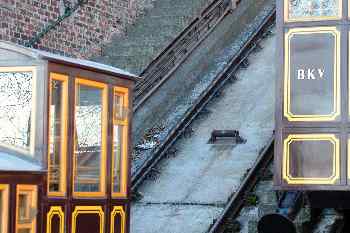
(4, 200)
(26, 209)
(57, 134)
(317, 47)
(17, 96)
(90, 138)
(120, 122)
(299, 10)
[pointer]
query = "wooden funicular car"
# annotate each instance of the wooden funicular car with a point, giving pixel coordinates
(64, 144)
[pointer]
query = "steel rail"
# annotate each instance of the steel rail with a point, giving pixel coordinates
(220, 80)
(236, 202)
(169, 59)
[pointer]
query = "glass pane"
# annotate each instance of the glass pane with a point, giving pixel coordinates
(88, 154)
(118, 105)
(55, 136)
(15, 108)
(120, 110)
(313, 8)
(4, 201)
(311, 159)
(313, 78)
(117, 156)
(26, 208)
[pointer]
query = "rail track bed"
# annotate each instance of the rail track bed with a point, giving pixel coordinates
(256, 197)
(159, 139)
(189, 190)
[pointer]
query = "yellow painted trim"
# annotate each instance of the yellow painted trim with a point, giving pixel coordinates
(124, 92)
(64, 133)
(311, 180)
(349, 79)
(5, 207)
(34, 99)
(287, 75)
(55, 210)
(103, 162)
(348, 152)
(31, 190)
(120, 211)
(87, 210)
(90, 83)
(287, 19)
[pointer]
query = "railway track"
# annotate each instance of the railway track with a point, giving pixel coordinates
(318, 221)
(240, 60)
(164, 65)
(238, 199)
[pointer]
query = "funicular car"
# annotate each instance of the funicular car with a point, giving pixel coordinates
(312, 143)
(64, 144)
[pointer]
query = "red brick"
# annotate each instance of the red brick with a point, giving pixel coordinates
(80, 35)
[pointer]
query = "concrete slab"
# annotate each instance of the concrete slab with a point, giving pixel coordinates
(169, 218)
(202, 174)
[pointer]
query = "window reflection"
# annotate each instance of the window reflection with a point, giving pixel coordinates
(16, 95)
(313, 8)
(117, 156)
(120, 122)
(4, 200)
(26, 208)
(120, 108)
(88, 156)
(57, 134)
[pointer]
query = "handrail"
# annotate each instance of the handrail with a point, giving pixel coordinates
(160, 69)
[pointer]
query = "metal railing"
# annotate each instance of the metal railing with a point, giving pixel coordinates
(160, 69)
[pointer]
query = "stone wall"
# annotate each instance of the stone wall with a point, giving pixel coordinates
(82, 31)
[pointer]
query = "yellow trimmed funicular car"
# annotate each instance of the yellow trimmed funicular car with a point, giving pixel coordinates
(64, 144)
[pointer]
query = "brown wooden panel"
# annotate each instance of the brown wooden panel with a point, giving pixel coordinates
(88, 219)
(118, 220)
(56, 224)
(55, 220)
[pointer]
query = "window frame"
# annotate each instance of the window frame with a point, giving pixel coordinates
(31, 149)
(103, 162)
(32, 191)
(124, 93)
(64, 132)
(5, 203)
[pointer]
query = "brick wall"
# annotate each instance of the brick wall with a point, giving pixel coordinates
(80, 35)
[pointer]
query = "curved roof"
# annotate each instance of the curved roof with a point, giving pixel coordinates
(85, 64)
